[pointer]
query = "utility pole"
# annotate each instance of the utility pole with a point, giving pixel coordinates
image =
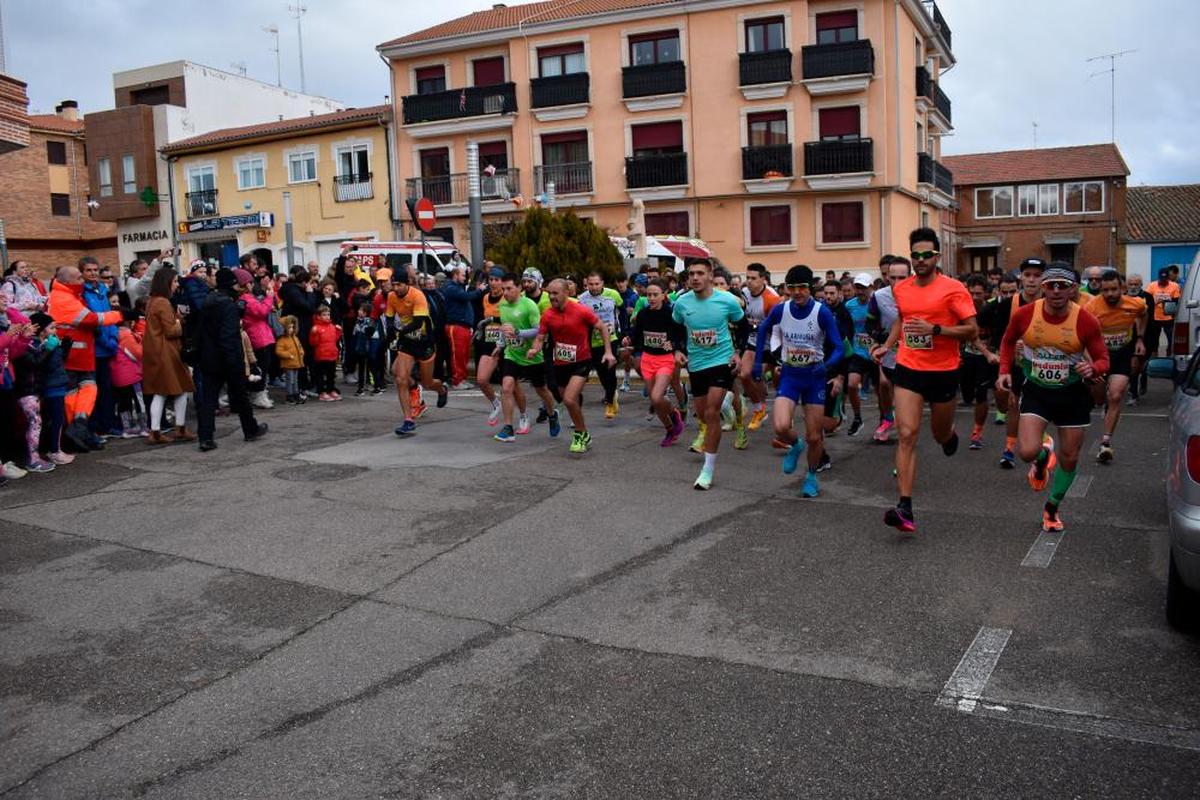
(474, 204)
(274, 31)
(298, 11)
(3, 55)
(1112, 73)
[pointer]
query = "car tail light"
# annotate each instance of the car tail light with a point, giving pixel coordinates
(1182, 344)
(1193, 458)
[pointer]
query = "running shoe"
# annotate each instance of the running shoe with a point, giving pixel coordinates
(1051, 523)
(1001, 418)
(976, 443)
(791, 459)
(610, 409)
(855, 427)
(494, 417)
(674, 432)
(60, 458)
(1039, 474)
(742, 440)
(420, 409)
(542, 416)
(406, 428)
(703, 480)
(625, 386)
(577, 445)
(1105, 456)
(825, 464)
(951, 445)
(506, 435)
(883, 432)
(586, 438)
(1008, 460)
(1131, 401)
(555, 427)
(901, 519)
(697, 445)
(325, 397)
(756, 419)
(39, 466)
(810, 487)
(522, 425)
(443, 396)
(10, 470)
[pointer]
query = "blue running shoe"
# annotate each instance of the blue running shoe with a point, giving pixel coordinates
(506, 435)
(810, 488)
(555, 427)
(406, 428)
(792, 458)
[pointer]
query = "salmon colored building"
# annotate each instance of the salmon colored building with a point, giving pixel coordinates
(778, 132)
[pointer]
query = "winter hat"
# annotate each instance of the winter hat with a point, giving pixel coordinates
(244, 278)
(226, 279)
(41, 319)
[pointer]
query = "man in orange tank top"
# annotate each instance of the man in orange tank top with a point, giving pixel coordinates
(1123, 325)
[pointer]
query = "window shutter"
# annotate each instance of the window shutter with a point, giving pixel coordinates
(657, 135)
(667, 223)
(489, 71)
(837, 19)
(839, 121)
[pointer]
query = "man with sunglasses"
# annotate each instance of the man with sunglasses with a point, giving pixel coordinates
(808, 330)
(1051, 338)
(936, 313)
(1123, 325)
(881, 316)
(707, 315)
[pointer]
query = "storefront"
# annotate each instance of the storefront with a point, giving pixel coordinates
(216, 239)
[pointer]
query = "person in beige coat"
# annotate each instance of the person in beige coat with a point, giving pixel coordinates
(163, 372)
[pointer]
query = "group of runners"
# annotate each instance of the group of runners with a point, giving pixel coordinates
(1045, 352)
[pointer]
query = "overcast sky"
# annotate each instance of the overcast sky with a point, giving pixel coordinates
(1020, 61)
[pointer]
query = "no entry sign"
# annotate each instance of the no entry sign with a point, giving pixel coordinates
(424, 215)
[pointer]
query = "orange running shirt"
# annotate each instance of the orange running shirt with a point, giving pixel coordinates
(1161, 295)
(408, 308)
(944, 302)
(1117, 322)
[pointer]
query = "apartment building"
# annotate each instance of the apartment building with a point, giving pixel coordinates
(157, 105)
(334, 167)
(778, 132)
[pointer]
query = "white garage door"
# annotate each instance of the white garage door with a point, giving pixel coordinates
(327, 253)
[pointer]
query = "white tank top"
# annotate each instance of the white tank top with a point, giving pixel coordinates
(886, 303)
(803, 340)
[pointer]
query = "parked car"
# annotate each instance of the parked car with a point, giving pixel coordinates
(431, 256)
(1186, 334)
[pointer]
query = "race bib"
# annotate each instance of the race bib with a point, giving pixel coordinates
(706, 337)
(918, 341)
(801, 356)
(1050, 370)
(659, 341)
(864, 342)
(565, 352)
(493, 335)
(1115, 341)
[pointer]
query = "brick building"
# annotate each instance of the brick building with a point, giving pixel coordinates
(44, 204)
(14, 114)
(1057, 203)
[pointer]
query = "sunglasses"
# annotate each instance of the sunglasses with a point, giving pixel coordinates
(1062, 285)
(923, 255)
(797, 286)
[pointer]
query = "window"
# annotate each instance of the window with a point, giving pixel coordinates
(1027, 201)
(654, 48)
(921, 138)
(842, 223)
(431, 80)
(837, 26)
(764, 34)
(488, 71)
(839, 124)
(355, 161)
(1063, 252)
(657, 138)
(493, 154)
(104, 172)
(302, 166)
(60, 205)
(56, 152)
(252, 173)
(202, 179)
(767, 128)
(1048, 198)
(566, 59)
(996, 201)
(564, 148)
(128, 174)
(667, 223)
(1086, 197)
(770, 226)
(151, 96)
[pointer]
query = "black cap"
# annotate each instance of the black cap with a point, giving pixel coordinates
(799, 274)
(41, 319)
(225, 278)
(1035, 263)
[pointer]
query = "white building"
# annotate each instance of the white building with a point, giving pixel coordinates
(1162, 227)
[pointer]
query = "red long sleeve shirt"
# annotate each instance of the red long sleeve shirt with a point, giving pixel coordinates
(1087, 328)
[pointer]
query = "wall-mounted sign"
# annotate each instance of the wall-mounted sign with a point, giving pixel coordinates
(144, 236)
(261, 219)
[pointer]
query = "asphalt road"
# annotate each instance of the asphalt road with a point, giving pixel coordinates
(336, 613)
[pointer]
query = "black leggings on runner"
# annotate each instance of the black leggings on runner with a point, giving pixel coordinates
(606, 374)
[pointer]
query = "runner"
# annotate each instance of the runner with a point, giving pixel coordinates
(629, 300)
(414, 345)
(979, 366)
(707, 315)
(606, 304)
(567, 327)
(734, 419)
(835, 388)
(487, 354)
(656, 338)
(759, 299)
(1166, 301)
(807, 329)
(881, 315)
(1137, 386)
(519, 320)
(1122, 324)
(935, 314)
(861, 366)
(1050, 337)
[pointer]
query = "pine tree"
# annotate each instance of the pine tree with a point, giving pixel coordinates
(560, 245)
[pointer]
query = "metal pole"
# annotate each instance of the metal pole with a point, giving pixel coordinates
(551, 197)
(474, 203)
(287, 229)
(3, 246)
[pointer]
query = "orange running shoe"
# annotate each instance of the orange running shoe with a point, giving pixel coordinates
(1036, 483)
(1051, 524)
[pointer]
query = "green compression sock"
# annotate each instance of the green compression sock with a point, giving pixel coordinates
(1060, 485)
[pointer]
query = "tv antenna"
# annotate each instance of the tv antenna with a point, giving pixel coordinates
(240, 66)
(274, 31)
(1112, 74)
(1035, 134)
(298, 11)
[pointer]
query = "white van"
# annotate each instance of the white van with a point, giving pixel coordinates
(1186, 336)
(434, 256)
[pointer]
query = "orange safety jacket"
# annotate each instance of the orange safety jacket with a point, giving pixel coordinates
(75, 320)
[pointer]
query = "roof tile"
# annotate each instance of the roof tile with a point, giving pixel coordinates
(294, 125)
(1163, 213)
(53, 122)
(1050, 163)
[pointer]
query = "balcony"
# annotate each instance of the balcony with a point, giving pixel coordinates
(767, 168)
(931, 98)
(474, 108)
(942, 103)
(560, 96)
(939, 23)
(836, 68)
(655, 172)
(567, 178)
(839, 164)
(924, 83)
(932, 173)
(348, 188)
(451, 191)
(202, 203)
(765, 74)
(654, 86)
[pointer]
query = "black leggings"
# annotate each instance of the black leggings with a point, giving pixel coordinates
(326, 372)
(607, 375)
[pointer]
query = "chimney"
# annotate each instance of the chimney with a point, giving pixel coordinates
(68, 109)
(496, 6)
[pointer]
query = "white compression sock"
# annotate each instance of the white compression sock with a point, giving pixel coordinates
(710, 461)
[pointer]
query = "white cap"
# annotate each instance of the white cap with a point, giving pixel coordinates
(863, 279)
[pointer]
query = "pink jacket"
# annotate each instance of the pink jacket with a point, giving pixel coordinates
(254, 321)
(127, 363)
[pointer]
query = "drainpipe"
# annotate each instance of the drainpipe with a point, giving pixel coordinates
(171, 202)
(389, 131)
(896, 83)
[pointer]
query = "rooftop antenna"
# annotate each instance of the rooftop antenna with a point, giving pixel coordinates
(274, 31)
(3, 40)
(1035, 134)
(240, 66)
(299, 11)
(1112, 73)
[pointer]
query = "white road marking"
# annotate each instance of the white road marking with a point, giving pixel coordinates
(1041, 552)
(1081, 485)
(1078, 722)
(973, 672)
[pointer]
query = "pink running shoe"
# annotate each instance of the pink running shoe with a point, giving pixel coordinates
(884, 429)
(675, 432)
(59, 457)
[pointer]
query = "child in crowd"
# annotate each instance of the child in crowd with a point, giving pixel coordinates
(289, 353)
(52, 382)
(363, 341)
(324, 338)
(26, 388)
(127, 377)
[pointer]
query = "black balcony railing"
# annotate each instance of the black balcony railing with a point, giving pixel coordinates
(760, 162)
(841, 58)
(567, 178)
(652, 79)
(933, 173)
(202, 203)
(924, 84)
(942, 102)
(472, 101)
(770, 66)
(939, 22)
(347, 188)
(559, 90)
(446, 190)
(836, 157)
(667, 169)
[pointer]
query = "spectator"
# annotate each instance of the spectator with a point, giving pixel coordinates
(52, 387)
(164, 373)
(223, 363)
(127, 377)
(96, 295)
(23, 292)
(298, 299)
(137, 281)
(16, 336)
(460, 321)
(324, 338)
(255, 311)
(289, 354)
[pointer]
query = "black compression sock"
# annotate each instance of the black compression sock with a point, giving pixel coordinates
(951, 445)
(906, 504)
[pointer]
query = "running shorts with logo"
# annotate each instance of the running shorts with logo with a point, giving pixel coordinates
(806, 389)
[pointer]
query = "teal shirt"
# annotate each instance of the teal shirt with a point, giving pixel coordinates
(709, 342)
(523, 315)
